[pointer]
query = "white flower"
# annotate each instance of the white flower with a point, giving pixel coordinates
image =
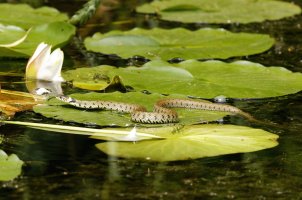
(44, 65)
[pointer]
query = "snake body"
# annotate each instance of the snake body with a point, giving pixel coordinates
(161, 113)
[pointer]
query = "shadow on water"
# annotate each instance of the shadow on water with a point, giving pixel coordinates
(62, 166)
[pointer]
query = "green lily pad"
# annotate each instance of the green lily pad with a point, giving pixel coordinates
(56, 34)
(59, 110)
(219, 11)
(167, 44)
(10, 166)
(241, 79)
(192, 142)
(24, 16)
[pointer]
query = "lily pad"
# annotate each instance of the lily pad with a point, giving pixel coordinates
(10, 166)
(59, 110)
(115, 134)
(14, 101)
(167, 44)
(192, 142)
(24, 16)
(241, 79)
(56, 34)
(220, 11)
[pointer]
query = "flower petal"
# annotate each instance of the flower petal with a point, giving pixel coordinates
(37, 61)
(51, 70)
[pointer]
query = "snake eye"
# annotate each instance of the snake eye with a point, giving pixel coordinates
(71, 100)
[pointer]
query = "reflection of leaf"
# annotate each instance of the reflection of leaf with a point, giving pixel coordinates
(24, 16)
(56, 34)
(220, 11)
(167, 44)
(60, 110)
(193, 142)
(14, 101)
(10, 166)
(208, 79)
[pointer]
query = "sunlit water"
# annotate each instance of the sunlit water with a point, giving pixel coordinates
(62, 166)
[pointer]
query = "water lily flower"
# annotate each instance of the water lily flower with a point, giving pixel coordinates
(44, 65)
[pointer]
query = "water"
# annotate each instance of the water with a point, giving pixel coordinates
(62, 166)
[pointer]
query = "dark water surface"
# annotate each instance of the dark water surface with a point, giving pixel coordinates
(62, 166)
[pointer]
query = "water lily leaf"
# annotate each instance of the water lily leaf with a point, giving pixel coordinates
(62, 111)
(219, 11)
(24, 16)
(167, 44)
(241, 79)
(193, 142)
(116, 134)
(14, 101)
(10, 166)
(17, 42)
(98, 82)
(56, 34)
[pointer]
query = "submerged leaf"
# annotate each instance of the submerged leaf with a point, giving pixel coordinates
(179, 42)
(24, 16)
(220, 11)
(192, 142)
(241, 79)
(62, 111)
(10, 166)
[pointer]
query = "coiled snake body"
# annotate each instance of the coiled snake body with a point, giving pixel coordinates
(161, 113)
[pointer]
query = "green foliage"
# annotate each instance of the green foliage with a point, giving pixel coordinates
(24, 16)
(10, 166)
(56, 34)
(116, 134)
(191, 142)
(208, 79)
(167, 44)
(85, 13)
(219, 11)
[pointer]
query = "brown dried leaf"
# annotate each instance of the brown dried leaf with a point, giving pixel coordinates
(15, 101)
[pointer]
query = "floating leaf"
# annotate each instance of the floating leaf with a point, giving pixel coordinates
(219, 11)
(62, 111)
(14, 101)
(24, 16)
(116, 134)
(56, 34)
(10, 166)
(17, 42)
(179, 42)
(193, 142)
(241, 79)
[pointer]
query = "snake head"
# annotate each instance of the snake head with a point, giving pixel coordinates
(66, 99)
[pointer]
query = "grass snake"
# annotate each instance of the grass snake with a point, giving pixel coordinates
(161, 113)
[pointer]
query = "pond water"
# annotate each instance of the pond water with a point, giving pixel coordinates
(63, 166)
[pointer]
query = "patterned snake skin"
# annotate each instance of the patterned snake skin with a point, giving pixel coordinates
(161, 113)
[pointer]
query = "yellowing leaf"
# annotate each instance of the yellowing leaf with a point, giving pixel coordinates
(192, 142)
(14, 101)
